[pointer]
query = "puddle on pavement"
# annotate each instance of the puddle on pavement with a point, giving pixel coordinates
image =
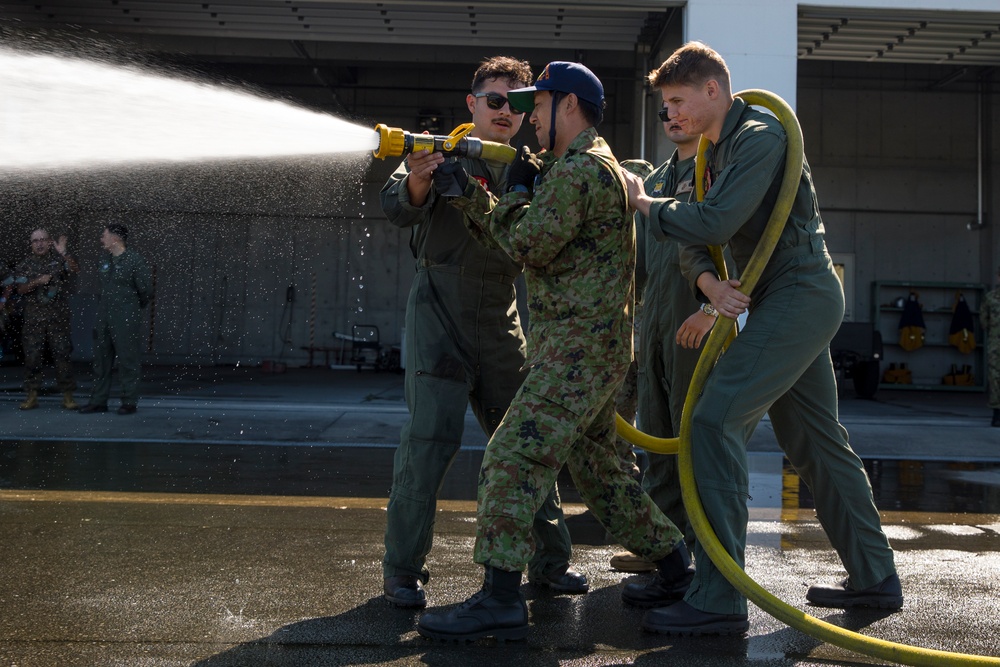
(366, 472)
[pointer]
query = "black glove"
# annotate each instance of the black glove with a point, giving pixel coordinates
(451, 179)
(523, 171)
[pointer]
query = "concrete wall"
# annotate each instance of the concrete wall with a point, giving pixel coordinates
(896, 174)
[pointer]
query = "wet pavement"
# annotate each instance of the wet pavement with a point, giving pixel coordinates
(237, 519)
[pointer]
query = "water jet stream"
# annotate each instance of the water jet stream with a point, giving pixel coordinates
(66, 112)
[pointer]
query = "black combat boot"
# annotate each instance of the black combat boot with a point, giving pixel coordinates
(498, 610)
(683, 619)
(887, 594)
(562, 580)
(673, 576)
(404, 591)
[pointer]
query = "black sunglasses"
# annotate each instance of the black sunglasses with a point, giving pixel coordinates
(496, 101)
(664, 114)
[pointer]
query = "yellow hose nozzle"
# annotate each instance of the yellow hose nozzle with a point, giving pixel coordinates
(395, 142)
(391, 141)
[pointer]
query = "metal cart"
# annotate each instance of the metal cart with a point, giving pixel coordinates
(366, 348)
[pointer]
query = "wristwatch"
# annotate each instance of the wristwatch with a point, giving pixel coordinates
(709, 309)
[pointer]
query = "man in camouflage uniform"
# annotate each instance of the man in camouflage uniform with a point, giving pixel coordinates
(566, 217)
(779, 364)
(42, 280)
(989, 315)
(126, 288)
(463, 345)
(671, 330)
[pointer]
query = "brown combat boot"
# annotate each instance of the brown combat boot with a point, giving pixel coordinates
(31, 402)
(68, 402)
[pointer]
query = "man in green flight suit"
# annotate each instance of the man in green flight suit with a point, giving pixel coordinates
(42, 280)
(779, 364)
(671, 330)
(463, 345)
(566, 216)
(126, 288)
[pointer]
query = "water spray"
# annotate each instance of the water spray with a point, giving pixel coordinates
(61, 111)
(394, 142)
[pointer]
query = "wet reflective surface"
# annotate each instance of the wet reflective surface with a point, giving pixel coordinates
(931, 486)
(366, 472)
(238, 520)
(238, 581)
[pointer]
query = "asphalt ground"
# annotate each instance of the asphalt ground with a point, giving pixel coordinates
(237, 519)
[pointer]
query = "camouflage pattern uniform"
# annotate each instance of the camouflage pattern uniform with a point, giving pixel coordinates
(46, 320)
(464, 346)
(665, 368)
(626, 405)
(779, 364)
(989, 316)
(126, 288)
(576, 238)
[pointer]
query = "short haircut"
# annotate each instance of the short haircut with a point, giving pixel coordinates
(691, 65)
(517, 73)
(118, 229)
(42, 230)
(591, 112)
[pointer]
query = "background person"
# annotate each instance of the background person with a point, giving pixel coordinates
(126, 288)
(42, 279)
(671, 330)
(627, 401)
(464, 345)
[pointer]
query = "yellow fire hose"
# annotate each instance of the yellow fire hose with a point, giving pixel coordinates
(717, 340)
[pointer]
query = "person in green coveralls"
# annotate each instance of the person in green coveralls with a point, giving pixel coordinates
(671, 329)
(565, 215)
(779, 364)
(126, 288)
(464, 345)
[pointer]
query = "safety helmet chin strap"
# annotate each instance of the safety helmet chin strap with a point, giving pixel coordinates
(557, 96)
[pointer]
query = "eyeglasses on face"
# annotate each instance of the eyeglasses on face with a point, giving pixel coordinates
(496, 101)
(664, 114)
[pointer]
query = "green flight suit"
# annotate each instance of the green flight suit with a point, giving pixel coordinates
(46, 320)
(665, 368)
(989, 318)
(464, 345)
(779, 364)
(126, 288)
(577, 241)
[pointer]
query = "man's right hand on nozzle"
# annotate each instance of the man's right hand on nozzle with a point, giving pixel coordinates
(523, 171)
